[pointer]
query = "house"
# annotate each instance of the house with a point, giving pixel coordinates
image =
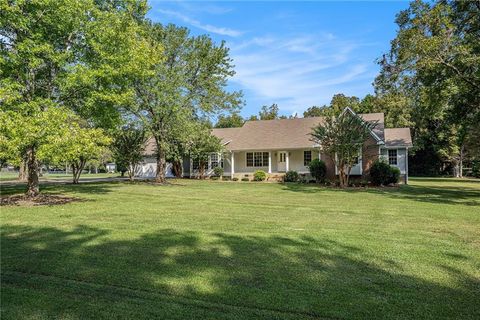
(277, 146)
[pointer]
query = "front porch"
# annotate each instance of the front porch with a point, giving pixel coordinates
(274, 162)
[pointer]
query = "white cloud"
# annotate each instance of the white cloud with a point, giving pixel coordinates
(297, 71)
(207, 27)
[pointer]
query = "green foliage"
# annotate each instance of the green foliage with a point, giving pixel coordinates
(317, 169)
(58, 56)
(201, 145)
(78, 144)
(394, 175)
(234, 120)
(269, 112)
(245, 179)
(188, 84)
(381, 173)
(429, 79)
(234, 179)
(259, 175)
(342, 138)
(218, 171)
(291, 176)
(128, 147)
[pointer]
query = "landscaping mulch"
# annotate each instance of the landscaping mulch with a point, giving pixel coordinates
(40, 200)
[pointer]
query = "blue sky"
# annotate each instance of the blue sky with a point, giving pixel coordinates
(295, 54)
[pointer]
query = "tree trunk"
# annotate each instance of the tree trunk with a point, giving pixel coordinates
(33, 188)
(77, 170)
(177, 168)
(460, 164)
(161, 165)
(23, 171)
(131, 172)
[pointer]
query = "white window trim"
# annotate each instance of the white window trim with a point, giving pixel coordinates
(253, 159)
(396, 156)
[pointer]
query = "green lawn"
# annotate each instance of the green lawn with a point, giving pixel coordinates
(215, 250)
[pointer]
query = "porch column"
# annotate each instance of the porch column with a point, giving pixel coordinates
(269, 161)
(319, 155)
(287, 162)
(232, 164)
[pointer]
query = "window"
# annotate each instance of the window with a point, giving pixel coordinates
(392, 157)
(214, 160)
(307, 157)
(195, 164)
(257, 159)
(249, 159)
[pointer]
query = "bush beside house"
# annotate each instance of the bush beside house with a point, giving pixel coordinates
(318, 170)
(259, 175)
(382, 173)
(291, 176)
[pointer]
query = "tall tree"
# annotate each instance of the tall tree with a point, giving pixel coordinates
(343, 137)
(63, 53)
(315, 111)
(128, 147)
(184, 86)
(432, 71)
(201, 145)
(233, 120)
(269, 112)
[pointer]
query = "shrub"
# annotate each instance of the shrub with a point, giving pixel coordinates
(394, 176)
(218, 171)
(234, 179)
(318, 169)
(245, 179)
(291, 176)
(214, 178)
(226, 178)
(382, 173)
(259, 175)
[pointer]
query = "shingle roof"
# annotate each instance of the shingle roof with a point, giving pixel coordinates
(396, 137)
(280, 133)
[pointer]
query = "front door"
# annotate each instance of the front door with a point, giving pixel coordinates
(282, 161)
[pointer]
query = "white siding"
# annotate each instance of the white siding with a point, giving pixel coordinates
(401, 158)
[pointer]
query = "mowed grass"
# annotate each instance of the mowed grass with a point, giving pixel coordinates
(13, 176)
(216, 250)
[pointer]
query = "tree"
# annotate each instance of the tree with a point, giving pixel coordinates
(343, 137)
(201, 145)
(431, 75)
(187, 83)
(315, 111)
(78, 144)
(234, 120)
(58, 54)
(269, 112)
(128, 147)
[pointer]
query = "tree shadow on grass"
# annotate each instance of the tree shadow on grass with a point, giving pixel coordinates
(86, 273)
(438, 195)
(82, 188)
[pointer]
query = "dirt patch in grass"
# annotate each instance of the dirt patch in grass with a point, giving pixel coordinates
(40, 200)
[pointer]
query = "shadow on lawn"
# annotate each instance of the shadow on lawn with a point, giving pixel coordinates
(57, 188)
(82, 273)
(441, 195)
